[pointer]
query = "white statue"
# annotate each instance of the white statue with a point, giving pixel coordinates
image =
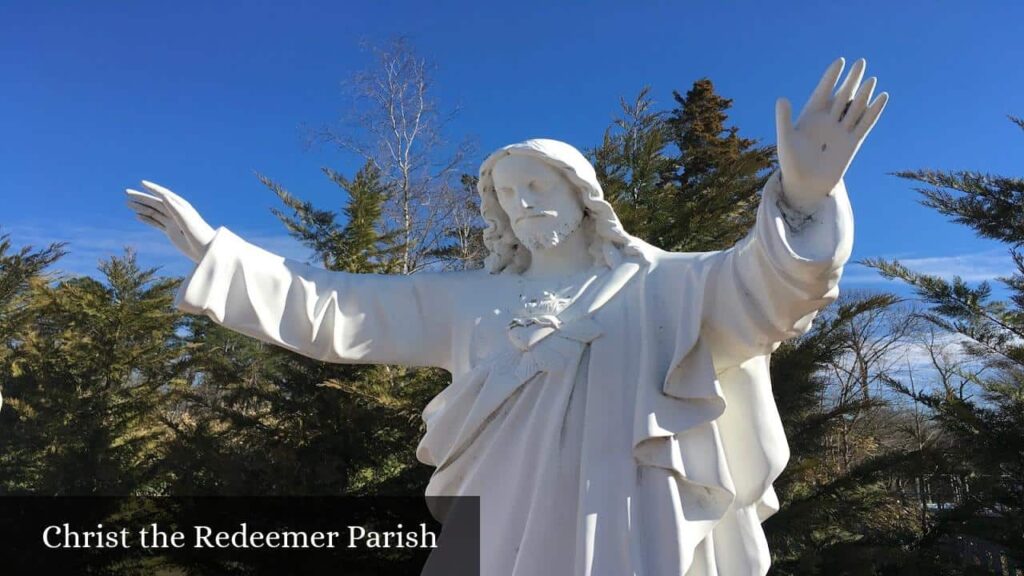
(610, 402)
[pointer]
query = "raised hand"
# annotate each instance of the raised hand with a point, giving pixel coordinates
(815, 152)
(177, 218)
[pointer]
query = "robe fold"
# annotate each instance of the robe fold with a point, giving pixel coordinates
(634, 433)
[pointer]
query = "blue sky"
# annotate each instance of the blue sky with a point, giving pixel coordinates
(200, 95)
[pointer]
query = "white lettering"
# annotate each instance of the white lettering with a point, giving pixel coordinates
(246, 538)
(421, 538)
(203, 537)
(99, 538)
(46, 536)
(352, 538)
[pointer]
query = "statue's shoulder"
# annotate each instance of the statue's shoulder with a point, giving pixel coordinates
(666, 260)
(453, 279)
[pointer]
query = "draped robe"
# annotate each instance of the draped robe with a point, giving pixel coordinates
(633, 434)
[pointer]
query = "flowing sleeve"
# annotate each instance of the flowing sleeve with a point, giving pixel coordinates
(770, 286)
(716, 429)
(331, 316)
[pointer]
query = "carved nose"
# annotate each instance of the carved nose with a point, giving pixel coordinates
(530, 193)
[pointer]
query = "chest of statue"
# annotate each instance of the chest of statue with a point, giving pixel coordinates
(519, 315)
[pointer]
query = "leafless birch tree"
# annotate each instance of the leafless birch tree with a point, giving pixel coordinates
(395, 122)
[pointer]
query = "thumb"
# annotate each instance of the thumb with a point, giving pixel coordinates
(783, 121)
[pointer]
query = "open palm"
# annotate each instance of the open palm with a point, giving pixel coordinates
(815, 152)
(170, 213)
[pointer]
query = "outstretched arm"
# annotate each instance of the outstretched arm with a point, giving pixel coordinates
(770, 285)
(331, 316)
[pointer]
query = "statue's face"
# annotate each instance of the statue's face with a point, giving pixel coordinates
(542, 205)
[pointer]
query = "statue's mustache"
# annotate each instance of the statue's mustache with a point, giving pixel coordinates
(540, 214)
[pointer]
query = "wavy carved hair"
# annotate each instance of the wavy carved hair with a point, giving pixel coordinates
(607, 241)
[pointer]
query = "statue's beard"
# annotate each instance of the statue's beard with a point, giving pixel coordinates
(547, 238)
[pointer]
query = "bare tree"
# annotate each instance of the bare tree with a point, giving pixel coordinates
(941, 370)
(395, 123)
(954, 370)
(872, 343)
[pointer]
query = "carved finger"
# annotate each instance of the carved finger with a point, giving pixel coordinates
(783, 121)
(842, 100)
(167, 197)
(140, 196)
(177, 206)
(870, 116)
(149, 211)
(150, 221)
(184, 217)
(820, 97)
(152, 212)
(145, 200)
(860, 103)
(158, 189)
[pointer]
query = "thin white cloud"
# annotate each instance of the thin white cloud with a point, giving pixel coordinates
(914, 354)
(972, 267)
(918, 360)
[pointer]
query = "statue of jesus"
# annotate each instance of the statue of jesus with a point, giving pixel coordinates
(610, 402)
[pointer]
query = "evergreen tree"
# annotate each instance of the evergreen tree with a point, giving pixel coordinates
(717, 176)
(682, 179)
(260, 420)
(357, 246)
(22, 273)
(987, 451)
(91, 373)
(634, 169)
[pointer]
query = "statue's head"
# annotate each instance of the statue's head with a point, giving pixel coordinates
(537, 193)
